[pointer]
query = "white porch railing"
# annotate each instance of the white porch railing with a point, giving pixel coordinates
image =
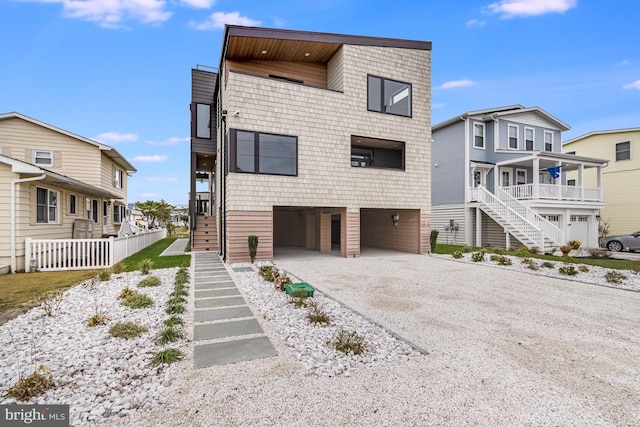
(554, 192)
(84, 254)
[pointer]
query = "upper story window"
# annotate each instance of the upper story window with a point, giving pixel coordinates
(377, 153)
(46, 206)
(478, 135)
(388, 96)
(548, 140)
(117, 177)
(513, 137)
(623, 150)
(203, 121)
(43, 157)
(264, 153)
(529, 143)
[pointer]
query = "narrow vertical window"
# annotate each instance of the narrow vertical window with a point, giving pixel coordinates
(117, 178)
(46, 206)
(72, 204)
(478, 135)
(548, 141)
(203, 121)
(513, 137)
(528, 139)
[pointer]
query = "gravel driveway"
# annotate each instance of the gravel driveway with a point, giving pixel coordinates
(505, 348)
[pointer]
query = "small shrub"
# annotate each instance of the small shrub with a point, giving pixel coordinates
(467, 249)
(174, 308)
(168, 356)
(582, 268)
(457, 254)
(316, 315)
(477, 256)
(179, 292)
(598, 253)
(433, 238)
(253, 247)
(169, 334)
(533, 250)
(137, 300)
(501, 259)
(145, 266)
(547, 264)
(634, 266)
(117, 268)
(281, 281)
(126, 292)
(149, 282)
(50, 300)
(522, 252)
(33, 385)
(97, 319)
(127, 330)
(615, 277)
(174, 321)
(349, 342)
(267, 273)
(104, 275)
(568, 270)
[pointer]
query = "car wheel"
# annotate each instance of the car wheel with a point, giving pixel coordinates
(614, 246)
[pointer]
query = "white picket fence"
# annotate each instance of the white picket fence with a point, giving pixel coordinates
(85, 254)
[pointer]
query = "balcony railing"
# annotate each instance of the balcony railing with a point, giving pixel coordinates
(554, 192)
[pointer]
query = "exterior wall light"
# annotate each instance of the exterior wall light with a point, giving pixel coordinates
(395, 218)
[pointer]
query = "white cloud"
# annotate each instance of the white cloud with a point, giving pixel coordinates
(148, 195)
(475, 23)
(514, 8)
(113, 138)
(220, 19)
(150, 159)
(456, 83)
(438, 105)
(169, 141)
(199, 4)
(161, 179)
(111, 13)
(634, 85)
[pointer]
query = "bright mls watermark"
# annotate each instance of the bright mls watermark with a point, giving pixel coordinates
(34, 415)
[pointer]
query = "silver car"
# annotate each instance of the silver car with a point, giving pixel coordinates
(626, 242)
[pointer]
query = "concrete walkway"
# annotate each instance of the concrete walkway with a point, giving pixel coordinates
(176, 248)
(225, 329)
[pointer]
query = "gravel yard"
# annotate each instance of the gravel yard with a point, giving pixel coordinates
(506, 348)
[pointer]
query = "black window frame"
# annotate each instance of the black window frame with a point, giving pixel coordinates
(627, 151)
(197, 121)
(382, 96)
(73, 203)
(365, 155)
(233, 163)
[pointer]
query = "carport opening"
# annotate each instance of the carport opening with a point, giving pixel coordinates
(391, 229)
(307, 229)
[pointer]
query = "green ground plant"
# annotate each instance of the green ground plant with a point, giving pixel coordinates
(168, 356)
(316, 314)
(33, 385)
(615, 277)
(174, 308)
(349, 342)
(137, 300)
(149, 282)
(169, 334)
(97, 320)
(457, 254)
(145, 266)
(568, 270)
(174, 321)
(477, 256)
(127, 330)
(104, 275)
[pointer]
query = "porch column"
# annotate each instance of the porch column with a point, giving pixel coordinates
(599, 183)
(536, 178)
(478, 227)
(559, 179)
(581, 181)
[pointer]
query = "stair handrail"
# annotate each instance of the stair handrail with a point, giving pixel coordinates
(552, 232)
(512, 215)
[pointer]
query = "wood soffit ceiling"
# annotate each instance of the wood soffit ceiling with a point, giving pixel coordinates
(251, 48)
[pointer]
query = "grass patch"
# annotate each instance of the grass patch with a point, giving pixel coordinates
(20, 290)
(169, 334)
(168, 356)
(153, 252)
(149, 282)
(174, 321)
(33, 385)
(137, 300)
(127, 330)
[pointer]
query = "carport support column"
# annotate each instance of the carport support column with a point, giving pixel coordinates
(350, 233)
(325, 232)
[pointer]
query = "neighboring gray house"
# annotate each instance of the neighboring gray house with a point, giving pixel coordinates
(498, 179)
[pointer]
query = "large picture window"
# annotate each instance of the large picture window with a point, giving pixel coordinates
(46, 206)
(623, 151)
(388, 96)
(376, 153)
(264, 153)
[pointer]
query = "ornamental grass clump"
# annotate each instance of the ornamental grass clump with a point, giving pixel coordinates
(35, 384)
(531, 264)
(137, 300)
(149, 282)
(316, 315)
(145, 266)
(182, 276)
(175, 308)
(169, 334)
(168, 356)
(174, 321)
(501, 259)
(97, 320)
(127, 330)
(349, 342)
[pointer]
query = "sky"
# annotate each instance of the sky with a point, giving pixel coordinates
(118, 71)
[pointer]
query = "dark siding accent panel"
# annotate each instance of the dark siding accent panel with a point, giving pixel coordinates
(203, 84)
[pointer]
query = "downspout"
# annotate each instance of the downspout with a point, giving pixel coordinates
(13, 216)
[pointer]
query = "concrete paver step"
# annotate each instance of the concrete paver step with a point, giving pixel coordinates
(226, 292)
(219, 302)
(221, 314)
(231, 328)
(226, 352)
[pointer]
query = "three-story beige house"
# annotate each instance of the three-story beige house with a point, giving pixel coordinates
(49, 178)
(313, 140)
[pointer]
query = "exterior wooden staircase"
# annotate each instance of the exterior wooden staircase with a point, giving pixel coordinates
(205, 235)
(520, 220)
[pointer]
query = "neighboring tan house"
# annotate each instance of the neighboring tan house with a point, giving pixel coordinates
(312, 140)
(50, 177)
(620, 179)
(498, 179)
